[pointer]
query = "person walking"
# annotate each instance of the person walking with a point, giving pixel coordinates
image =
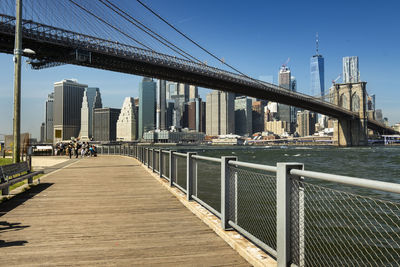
(69, 149)
(76, 148)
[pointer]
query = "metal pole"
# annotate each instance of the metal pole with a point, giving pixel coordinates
(189, 174)
(171, 167)
(160, 163)
(17, 82)
(225, 191)
(285, 199)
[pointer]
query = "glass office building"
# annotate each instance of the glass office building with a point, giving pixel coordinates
(317, 76)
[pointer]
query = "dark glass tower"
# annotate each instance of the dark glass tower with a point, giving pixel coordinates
(317, 74)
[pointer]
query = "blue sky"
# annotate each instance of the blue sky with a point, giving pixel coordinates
(256, 37)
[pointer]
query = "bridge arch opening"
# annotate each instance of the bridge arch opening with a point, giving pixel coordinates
(355, 102)
(343, 101)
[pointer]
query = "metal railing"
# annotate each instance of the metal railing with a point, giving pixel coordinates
(288, 212)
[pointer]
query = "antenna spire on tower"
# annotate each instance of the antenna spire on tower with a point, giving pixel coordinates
(317, 43)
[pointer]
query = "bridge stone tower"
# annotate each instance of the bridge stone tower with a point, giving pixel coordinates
(350, 132)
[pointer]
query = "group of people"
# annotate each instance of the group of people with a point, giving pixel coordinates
(75, 148)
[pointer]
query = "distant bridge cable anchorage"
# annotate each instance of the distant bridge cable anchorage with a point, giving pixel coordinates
(149, 31)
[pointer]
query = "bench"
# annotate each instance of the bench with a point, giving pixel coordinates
(13, 173)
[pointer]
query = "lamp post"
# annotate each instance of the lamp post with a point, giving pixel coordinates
(17, 82)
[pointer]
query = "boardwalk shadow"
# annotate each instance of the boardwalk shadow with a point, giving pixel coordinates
(4, 244)
(5, 227)
(19, 199)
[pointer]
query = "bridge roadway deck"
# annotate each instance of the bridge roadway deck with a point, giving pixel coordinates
(106, 211)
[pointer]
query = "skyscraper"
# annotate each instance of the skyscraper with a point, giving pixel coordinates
(105, 124)
(196, 115)
(68, 95)
(243, 116)
(42, 132)
(161, 105)
(306, 123)
(147, 106)
(220, 113)
(48, 135)
(91, 100)
(193, 92)
(284, 111)
(127, 123)
(172, 89)
(351, 73)
(317, 72)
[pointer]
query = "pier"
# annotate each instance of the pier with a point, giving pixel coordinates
(106, 211)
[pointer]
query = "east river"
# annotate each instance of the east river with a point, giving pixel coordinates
(376, 162)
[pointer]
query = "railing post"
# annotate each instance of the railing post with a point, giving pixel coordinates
(225, 191)
(287, 196)
(148, 157)
(171, 167)
(108, 150)
(160, 162)
(190, 174)
(153, 159)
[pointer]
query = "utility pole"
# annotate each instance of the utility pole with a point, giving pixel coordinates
(17, 82)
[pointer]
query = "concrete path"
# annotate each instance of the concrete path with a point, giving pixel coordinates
(106, 211)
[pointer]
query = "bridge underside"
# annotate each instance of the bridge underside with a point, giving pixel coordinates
(55, 50)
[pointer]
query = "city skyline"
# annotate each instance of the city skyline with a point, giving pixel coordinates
(265, 58)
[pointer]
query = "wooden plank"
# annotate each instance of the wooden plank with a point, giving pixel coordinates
(106, 211)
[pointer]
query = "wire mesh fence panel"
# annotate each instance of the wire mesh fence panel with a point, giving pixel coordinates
(180, 171)
(343, 229)
(252, 203)
(112, 149)
(165, 164)
(208, 187)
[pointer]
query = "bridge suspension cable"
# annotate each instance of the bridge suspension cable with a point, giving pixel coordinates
(112, 26)
(191, 40)
(147, 30)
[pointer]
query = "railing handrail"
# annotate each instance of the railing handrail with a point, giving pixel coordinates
(252, 165)
(179, 154)
(207, 158)
(354, 181)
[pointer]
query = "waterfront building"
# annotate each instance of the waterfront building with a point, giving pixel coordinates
(165, 136)
(306, 121)
(127, 124)
(147, 106)
(243, 116)
(68, 95)
(49, 117)
(91, 100)
(351, 73)
(161, 105)
(220, 113)
(277, 127)
(258, 116)
(105, 124)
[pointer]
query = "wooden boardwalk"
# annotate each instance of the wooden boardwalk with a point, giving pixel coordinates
(106, 211)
